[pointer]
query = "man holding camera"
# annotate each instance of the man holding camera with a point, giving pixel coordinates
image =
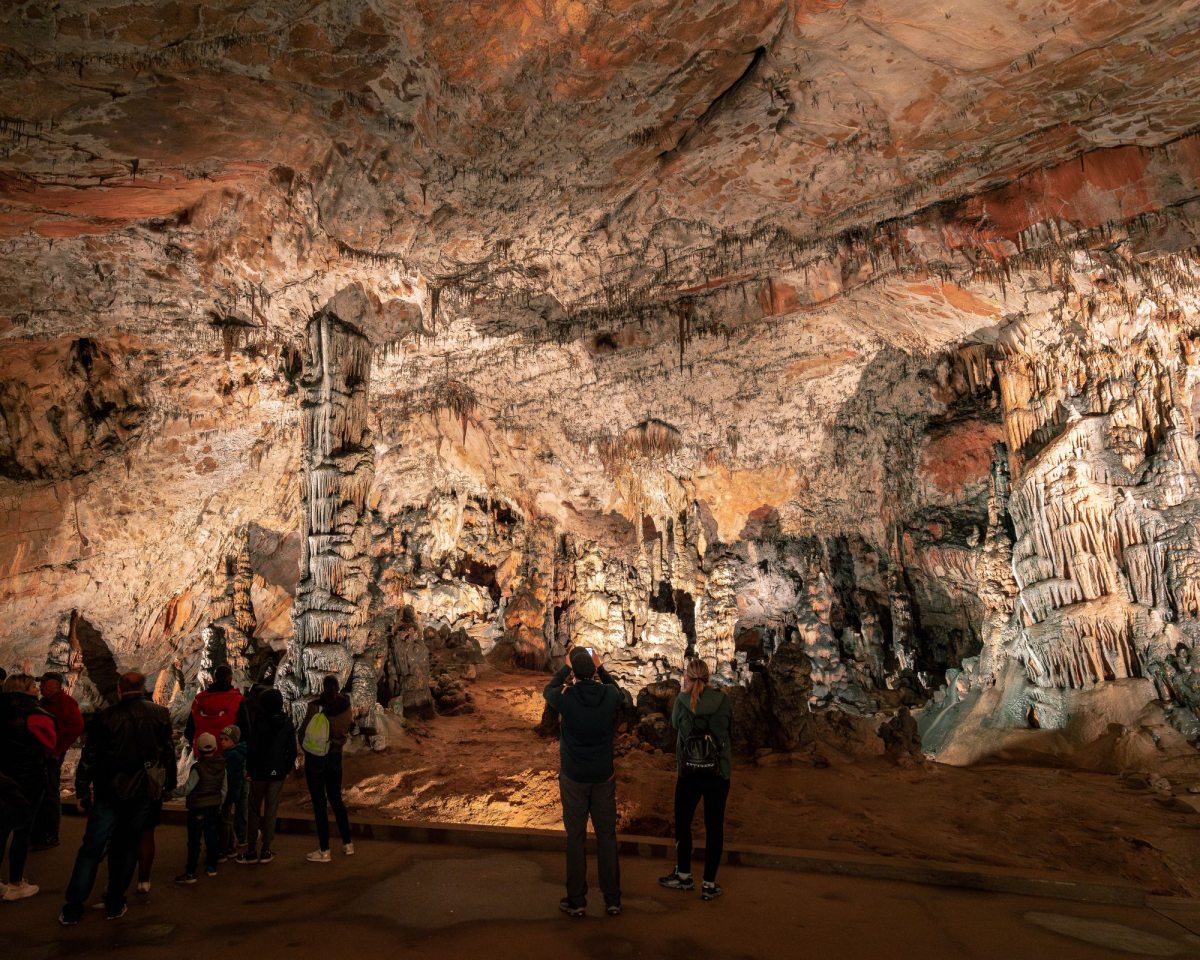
(588, 700)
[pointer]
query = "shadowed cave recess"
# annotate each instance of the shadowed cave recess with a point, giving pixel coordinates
(851, 346)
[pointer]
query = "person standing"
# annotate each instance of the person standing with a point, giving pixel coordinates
(215, 708)
(588, 707)
(327, 723)
(703, 759)
(205, 791)
(65, 710)
(270, 757)
(127, 765)
(27, 736)
(233, 808)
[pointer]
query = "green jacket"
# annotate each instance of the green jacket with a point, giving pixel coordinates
(714, 707)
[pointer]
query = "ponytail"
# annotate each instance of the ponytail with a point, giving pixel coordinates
(697, 672)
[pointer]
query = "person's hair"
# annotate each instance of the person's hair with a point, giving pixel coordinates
(697, 672)
(3, 674)
(19, 683)
(330, 687)
(131, 684)
(271, 701)
(223, 674)
(53, 675)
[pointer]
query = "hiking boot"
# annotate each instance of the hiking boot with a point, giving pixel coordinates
(266, 856)
(677, 881)
(119, 914)
(19, 891)
(250, 856)
(319, 856)
(570, 909)
(348, 849)
(710, 891)
(186, 878)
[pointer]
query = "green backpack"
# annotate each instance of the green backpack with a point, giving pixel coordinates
(316, 735)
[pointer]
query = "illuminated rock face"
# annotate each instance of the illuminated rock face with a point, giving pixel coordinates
(849, 346)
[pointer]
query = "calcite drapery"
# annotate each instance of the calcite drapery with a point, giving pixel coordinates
(337, 471)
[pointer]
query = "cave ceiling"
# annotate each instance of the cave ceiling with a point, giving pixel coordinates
(737, 235)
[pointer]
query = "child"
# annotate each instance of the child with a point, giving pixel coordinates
(233, 810)
(205, 791)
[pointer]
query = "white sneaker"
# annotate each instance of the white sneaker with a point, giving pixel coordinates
(348, 849)
(319, 856)
(19, 891)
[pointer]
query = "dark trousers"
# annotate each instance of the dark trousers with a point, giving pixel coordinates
(599, 801)
(233, 817)
(114, 828)
(205, 822)
(689, 791)
(324, 778)
(17, 822)
(264, 810)
(49, 812)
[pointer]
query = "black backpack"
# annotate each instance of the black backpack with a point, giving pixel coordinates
(701, 752)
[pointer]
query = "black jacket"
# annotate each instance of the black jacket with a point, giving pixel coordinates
(589, 719)
(271, 752)
(127, 735)
(22, 756)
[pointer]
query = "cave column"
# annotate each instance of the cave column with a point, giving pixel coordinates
(337, 472)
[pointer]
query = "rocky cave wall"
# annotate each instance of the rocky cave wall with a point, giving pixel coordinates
(847, 345)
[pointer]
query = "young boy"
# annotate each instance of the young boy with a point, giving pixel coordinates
(233, 810)
(205, 791)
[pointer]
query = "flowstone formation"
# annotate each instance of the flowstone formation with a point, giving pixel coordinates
(849, 345)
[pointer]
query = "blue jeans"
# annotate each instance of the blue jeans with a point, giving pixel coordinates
(114, 828)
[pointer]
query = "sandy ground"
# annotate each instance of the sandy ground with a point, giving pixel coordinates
(489, 768)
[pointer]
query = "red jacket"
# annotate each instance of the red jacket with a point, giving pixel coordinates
(212, 711)
(65, 710)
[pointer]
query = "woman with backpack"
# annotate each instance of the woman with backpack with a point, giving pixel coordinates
(703, 718)
(325, 728)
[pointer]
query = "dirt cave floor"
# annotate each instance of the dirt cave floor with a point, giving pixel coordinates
(489, 767)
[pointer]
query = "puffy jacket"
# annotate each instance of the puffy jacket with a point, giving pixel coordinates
(206, 786)
(212, 710)
(27, 736)
(271, 751)
(126, 736)
(65, 710)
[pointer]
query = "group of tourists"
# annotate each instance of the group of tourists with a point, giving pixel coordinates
(588, 700)
(241, 747)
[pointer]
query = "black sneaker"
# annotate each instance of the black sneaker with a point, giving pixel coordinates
(570, 909)
(186, 878)
(248, 856)
(676, 881)
(710, 891)
(613, 909)
(266, 856)
(119, 914)
(67, 921)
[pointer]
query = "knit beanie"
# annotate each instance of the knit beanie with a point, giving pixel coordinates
(206, 743)
(233, 732)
